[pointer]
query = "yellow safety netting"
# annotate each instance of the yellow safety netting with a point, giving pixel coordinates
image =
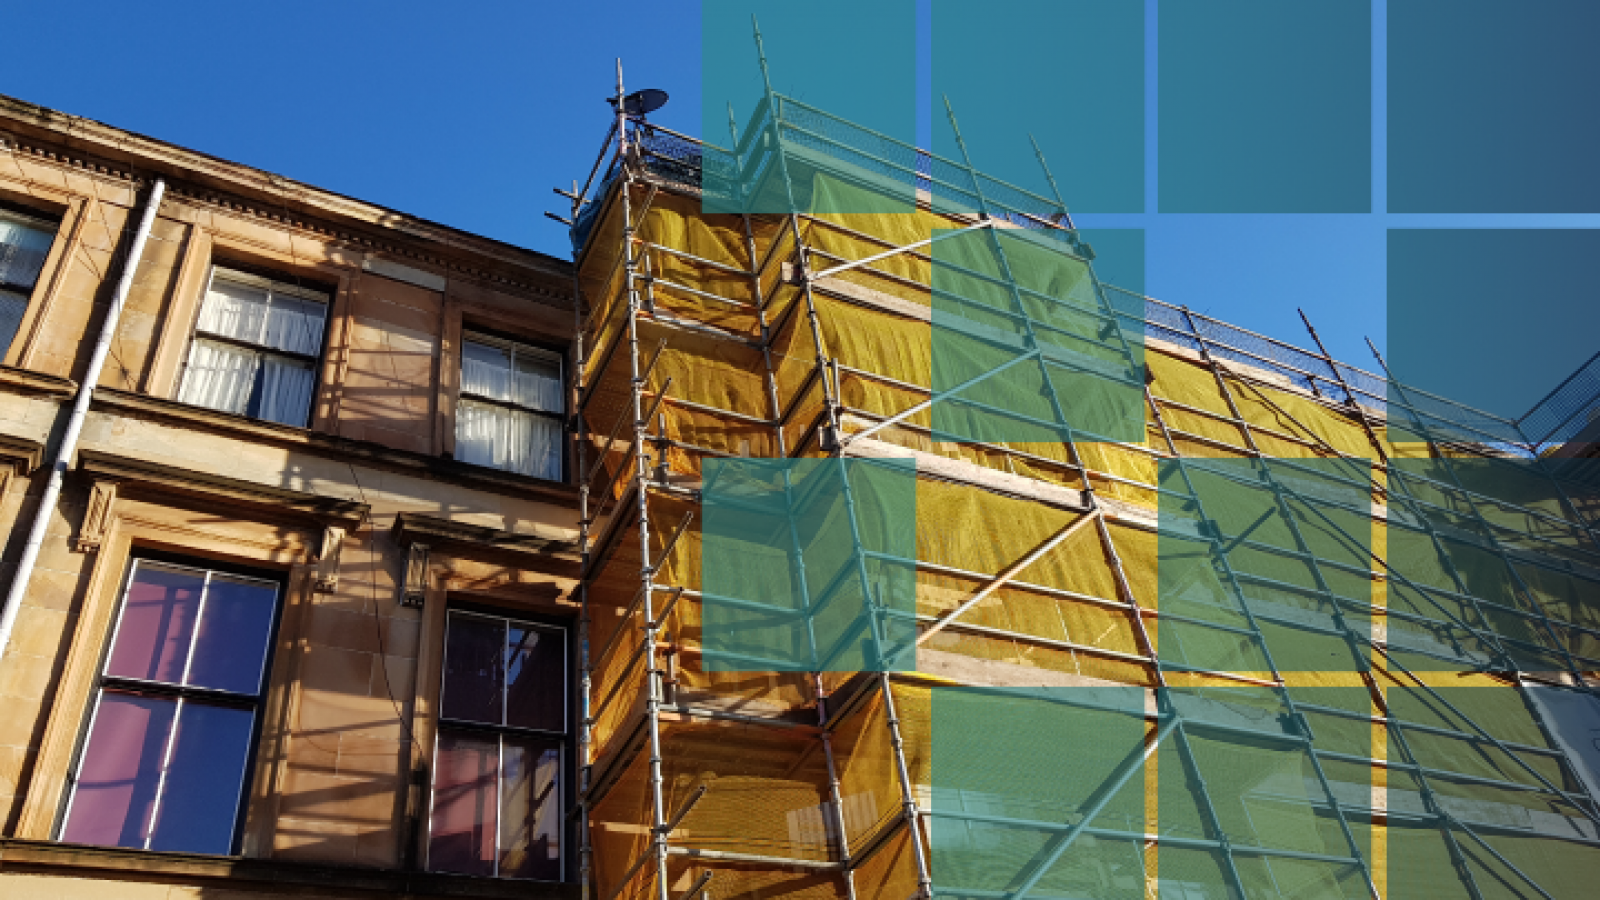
(767, 786)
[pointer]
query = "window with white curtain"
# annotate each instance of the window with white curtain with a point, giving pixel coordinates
(24, 244)
(509, 414)
(255, 348)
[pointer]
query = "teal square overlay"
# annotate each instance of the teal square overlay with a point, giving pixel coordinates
(1457, 65)
(1265, 107)
(1482, 324)
(1038, 791)
(1472, 751)
(842, 103)
(1042, 792)
(808, 565)
(1492, 552)
(1028, 345)
(1237, 773)
(1087, 152)
(1263, 562)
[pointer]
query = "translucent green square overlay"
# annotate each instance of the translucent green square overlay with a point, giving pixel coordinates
(1037, 791)
(1490, 564)
(1265, 107)
(1540, 158)
(1238, 772)
(808, 565)
(1028, 346)
(843, 101)
(1092, 137)
(1263, 561)
(1508, 825)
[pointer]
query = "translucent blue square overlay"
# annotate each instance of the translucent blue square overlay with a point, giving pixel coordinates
(1028, 345)
(1265, 107)
(1483, 324)
(1496, 553)
(842, 99)
(1086, 120)
(1042, 792)
(1491, 107)
(1263, 562)
(1038, 791)
(808, 565)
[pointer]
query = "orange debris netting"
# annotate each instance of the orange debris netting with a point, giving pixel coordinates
(736, 358)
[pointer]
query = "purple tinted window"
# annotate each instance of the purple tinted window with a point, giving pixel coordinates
(473, 661)
(121, 771)
(535, 682)
(167, 772)
(152, 641)
(530, 810)
(231, 643)
(200, 799)
(465, 804)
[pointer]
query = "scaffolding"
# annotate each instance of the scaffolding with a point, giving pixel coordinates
(1302, 567)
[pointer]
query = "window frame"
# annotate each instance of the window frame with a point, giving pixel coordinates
(564, 739)
(51, 227)
(274, 284)
(33, 219)
(488, 338)
(256, 703)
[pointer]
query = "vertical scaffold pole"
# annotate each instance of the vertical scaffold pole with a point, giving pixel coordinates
(1322, 585)
(829, 441)
(908, 797)
(641, 456)
(580, 440)
(1521, 586)
(1061, 204)
(1030, 336)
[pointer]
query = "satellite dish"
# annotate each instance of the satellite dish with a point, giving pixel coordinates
(643, 102)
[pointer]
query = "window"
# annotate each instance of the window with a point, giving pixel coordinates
(255, 348)
(164, 765)
(497, 770)
(509, 416)
(24, 244)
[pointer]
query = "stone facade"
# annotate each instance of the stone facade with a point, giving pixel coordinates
(359, 513)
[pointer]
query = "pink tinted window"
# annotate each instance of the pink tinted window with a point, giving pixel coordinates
(465, 805)
(530, 810)
(473, 669)
(231, 643)
(535, 682)
(158, 614)
(121, 771)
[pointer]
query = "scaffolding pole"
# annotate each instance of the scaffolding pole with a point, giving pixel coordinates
(641, 303)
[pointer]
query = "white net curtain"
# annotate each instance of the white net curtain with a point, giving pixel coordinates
(504, 389)
(254, 351)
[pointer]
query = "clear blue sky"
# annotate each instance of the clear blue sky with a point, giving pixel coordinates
(469, 113)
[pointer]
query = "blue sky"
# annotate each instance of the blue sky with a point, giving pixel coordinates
(469, 113)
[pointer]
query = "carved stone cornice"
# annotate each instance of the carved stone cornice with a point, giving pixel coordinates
(104, 152)
(146, 476)
(19, 455)
(26, 381)
(421, 535)
(113, 475)
(481, 542)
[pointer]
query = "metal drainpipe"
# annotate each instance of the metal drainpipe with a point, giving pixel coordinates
(80, 410)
